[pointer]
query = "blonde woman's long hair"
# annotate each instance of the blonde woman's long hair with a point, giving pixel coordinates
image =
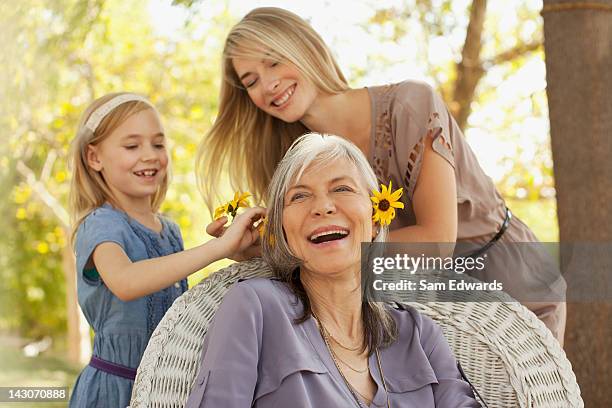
(88, 189)
(244, 142)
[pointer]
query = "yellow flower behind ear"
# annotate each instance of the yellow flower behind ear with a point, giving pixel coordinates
(384, 204)
(262, 230)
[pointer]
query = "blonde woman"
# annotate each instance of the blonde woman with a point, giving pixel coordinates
(310, 337)
(280, 80)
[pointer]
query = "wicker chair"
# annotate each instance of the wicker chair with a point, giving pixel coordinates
(508, 354)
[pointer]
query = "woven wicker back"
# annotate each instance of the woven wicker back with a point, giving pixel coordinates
(508, 354)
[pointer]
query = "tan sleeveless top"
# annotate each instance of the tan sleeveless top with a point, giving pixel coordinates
(403, 114)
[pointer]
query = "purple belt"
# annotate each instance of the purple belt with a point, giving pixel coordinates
(113, 368)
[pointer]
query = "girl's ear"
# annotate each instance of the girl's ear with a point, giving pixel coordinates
(92, 158)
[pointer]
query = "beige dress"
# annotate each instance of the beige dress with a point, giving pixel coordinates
(403, 114)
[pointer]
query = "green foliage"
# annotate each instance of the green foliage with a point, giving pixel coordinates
(540, 215)
(71, 52)
(34, 280)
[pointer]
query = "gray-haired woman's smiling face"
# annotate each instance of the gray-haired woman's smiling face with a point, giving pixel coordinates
(327, 214)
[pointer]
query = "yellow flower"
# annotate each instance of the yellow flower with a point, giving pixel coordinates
(240, 200)
(385, 203)
(231, 207)
(262, 230)
(220, 211)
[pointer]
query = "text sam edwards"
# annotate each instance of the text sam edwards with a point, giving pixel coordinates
(423, 284)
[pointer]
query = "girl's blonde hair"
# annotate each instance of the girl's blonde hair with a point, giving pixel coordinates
(308, 152)
(245, 142)
(88, 189)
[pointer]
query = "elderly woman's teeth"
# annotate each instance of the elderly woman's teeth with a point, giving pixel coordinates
(328, 236)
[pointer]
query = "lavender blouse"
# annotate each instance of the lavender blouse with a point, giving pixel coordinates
(254, 355)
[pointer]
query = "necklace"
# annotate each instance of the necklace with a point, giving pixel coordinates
(326, 336)
(353, 391)
(340, 344)
(367, 367)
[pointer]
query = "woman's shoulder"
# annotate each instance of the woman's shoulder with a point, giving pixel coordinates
(407, 105)
(273, 295)
(405, 92)
(417, 98)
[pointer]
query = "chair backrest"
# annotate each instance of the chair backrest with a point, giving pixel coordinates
(506, 352)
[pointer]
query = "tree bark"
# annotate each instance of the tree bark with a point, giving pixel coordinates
(469, 70)
(472, 67)
(578, 47)
(79, 342)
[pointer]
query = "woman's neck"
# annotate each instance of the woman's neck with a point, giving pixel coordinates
(336, 301)
(347, 114)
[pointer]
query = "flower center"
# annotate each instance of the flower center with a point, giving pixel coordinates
(384, 205)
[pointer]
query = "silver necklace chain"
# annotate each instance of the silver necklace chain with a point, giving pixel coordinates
(353, 390)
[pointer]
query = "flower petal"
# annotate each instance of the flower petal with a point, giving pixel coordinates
(376, 216)
(397, 194)
(220, 211)
(383, 190)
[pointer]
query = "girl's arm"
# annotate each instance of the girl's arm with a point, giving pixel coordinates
(131, 280)
(435, 204)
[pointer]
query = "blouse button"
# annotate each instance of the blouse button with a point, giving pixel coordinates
(177, 285)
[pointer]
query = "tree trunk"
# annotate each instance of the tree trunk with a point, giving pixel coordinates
(469, 70)
(578, 46)
(79, 343)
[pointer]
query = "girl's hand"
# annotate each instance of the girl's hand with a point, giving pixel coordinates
(241, 239)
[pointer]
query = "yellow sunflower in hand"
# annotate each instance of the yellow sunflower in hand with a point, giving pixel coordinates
(240, 200)
(231, 207)
(220, 211)
(385, 202)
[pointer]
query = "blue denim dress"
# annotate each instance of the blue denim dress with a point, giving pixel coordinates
(122, 329)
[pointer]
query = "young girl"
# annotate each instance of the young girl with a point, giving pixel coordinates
(130, 261)
(280, 80)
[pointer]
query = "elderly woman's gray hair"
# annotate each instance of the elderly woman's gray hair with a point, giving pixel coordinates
(307, 152)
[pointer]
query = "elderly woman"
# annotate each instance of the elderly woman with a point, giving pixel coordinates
(310, 337)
